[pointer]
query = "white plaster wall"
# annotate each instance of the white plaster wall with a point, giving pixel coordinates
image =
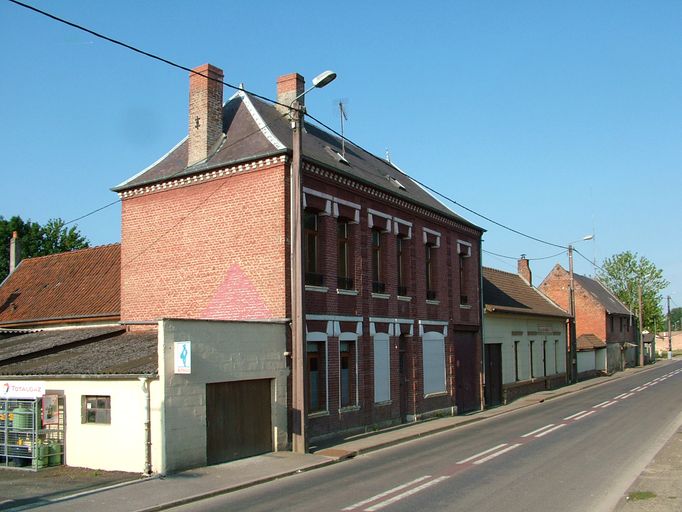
(600, 359)
(586, 361)
(498, 328)
(118, 446)
(221, 352)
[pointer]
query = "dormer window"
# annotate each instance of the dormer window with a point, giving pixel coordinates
(395, 182)
(337, 156)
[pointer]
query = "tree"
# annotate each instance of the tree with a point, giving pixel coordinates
(623, 272)
(37, 240)
(675, 319)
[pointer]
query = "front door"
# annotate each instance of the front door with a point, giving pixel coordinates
(493, 374)
(467, 371)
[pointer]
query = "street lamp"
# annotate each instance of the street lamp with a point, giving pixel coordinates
(298, 348)
(572, 342)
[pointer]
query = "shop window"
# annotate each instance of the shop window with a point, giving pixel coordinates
(430, 260)
(402, 264)
(347, 370)
(317, 378)
(96, 409)
(345, 281)
(382, 368)
(311, 249)
(433, 350)
(378, 285)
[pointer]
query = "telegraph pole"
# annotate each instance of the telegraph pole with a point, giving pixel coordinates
(571, 327)
(670, 333)
(641, 314)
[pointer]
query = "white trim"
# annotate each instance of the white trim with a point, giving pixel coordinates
(370, 219)
(397, 221)
(316, 289)
(427, 323)
(461, 243)
(341, 291)
(316, 337)
(336, 318)
(315, 193)
(404, 298)
(262, 125)
(152, 165)
(350, 336)
(355, 206)
(427, 231)
(433, 302)
(382, 296)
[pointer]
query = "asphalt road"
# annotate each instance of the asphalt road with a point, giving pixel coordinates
(576, 453)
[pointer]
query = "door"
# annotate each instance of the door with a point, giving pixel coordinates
(238, 420)
(493, 374)
(467, 372)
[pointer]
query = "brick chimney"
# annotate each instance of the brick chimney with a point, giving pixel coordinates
(524, 269)
(14, 251)
(288, 87)
(205, 111)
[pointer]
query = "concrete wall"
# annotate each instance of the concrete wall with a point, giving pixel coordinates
(120, 445)
(506, 329)
(615, 360)
(220, 352)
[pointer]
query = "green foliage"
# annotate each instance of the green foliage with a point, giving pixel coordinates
(37, 240)
(676, 319)
(623, 272)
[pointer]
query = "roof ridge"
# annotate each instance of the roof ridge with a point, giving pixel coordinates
(260, 122)
(504, 272)
(64, 253)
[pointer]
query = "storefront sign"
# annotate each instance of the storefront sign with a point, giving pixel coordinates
(183, 357)
(51, 410)
(21, 389)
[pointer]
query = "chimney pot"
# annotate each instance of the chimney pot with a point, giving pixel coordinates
(524, 269)
(288, 88)
(205, 111)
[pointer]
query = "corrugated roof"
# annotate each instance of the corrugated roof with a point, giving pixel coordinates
(125, 354)
(244, 118)
(602, 294)
(82, 284)
(507, 292)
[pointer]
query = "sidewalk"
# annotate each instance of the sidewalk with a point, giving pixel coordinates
(159, 493)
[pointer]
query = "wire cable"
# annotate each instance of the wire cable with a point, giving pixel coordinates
(529, 259)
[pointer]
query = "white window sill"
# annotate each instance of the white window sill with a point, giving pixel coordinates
(437, 393)
(318, 414)
(385, 402)
(464, 306)
(346, 292)
(350, 408)
(404, 298)
(318, 289)
(383, 296)
(433, 302)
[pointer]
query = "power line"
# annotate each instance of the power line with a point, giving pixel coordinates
(138, 50)
(529, 259)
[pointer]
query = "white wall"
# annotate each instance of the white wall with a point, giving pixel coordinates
(505, 329)
(118, 446)
(586, 361)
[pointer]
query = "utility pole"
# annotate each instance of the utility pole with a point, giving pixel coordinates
(572, 343)
(670, 333)
(641, 314)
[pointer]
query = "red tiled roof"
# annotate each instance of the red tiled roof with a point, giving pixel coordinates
(589, 342)
(76, 285)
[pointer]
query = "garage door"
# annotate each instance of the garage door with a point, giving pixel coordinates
(238, 420)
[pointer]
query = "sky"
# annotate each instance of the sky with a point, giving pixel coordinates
(558, 119)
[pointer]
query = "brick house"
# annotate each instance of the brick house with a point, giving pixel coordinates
(524, 336)
(392, 276)
(598, 312)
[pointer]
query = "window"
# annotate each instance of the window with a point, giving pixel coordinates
(402, 265)
(621, 323)
(463, 297)
(612, 329)
(347, 370)
(532, 371)
(429, 257)
(382, 368)
(311, 249)
(317, 378)
(556, 356)
(96, 409)
(516, 361)
(433, 348)
(345, 281)
(378, 285)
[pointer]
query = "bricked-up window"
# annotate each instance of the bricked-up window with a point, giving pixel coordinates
(345, 281)
(96, 409)
(402, 264)
(430, 261)
(516, 360)
(311, 250)
(378, 285)
(347, 377)
(317, 377)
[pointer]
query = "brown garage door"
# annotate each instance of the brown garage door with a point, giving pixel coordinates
(238, 420)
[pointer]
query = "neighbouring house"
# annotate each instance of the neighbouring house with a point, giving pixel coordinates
(591, 356)
(599, 313)
(524, 335)
(665, 340)
(392, 276)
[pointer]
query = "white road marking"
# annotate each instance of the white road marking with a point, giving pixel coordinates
(608, 405)
(551, 430)
(638, 388)
(573, 415)
(619, 396)
(497, 454)
(601, 404)
(406, 494)
(464, 461)
(538, 430)
(386, 493)
(584, 415)
(626, 395)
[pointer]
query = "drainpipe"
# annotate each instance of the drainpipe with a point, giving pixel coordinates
(147, 427)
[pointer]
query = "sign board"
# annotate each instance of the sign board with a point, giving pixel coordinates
(182, 357)
(51, 410)
(21, 389)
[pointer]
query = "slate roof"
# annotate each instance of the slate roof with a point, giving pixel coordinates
(602, 294)
(589, 342)
(82, 284)
(509, 293)
(86, 352)
(255, 129)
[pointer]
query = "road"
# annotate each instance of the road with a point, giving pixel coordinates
(575, 453)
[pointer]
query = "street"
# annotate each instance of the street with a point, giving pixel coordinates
(575, 453)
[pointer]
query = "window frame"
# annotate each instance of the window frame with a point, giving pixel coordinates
(96, 415)
(378, 284)
(311, 265)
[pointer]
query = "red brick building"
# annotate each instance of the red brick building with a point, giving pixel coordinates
(392, 276)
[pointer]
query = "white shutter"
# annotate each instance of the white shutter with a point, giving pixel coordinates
(382, 368)
(433, 348)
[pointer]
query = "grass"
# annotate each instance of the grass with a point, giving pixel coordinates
(641, 495)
